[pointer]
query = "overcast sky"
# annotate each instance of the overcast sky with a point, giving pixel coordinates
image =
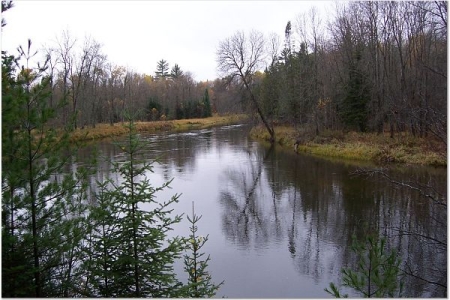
(137, 34)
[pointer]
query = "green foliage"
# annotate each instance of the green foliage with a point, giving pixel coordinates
(206, 105)
(129, 252)
(270, 89)
(199, 281)
(176, 72)
(353, 110)
(334, 290)
(155, 109)
(5, 6)
(192, 109)
(54, 242)
(42, 201)
(288, 88)
(162, 69)
(100, 250)
(376, 274)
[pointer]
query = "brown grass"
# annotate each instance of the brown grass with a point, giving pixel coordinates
(403, 148)
(106, 130)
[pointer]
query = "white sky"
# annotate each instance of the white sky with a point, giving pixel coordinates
(137, 34)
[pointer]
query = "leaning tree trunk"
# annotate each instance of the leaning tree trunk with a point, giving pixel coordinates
(260, 113)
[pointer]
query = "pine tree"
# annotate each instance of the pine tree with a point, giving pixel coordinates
(199, 281)
(42, 205)
(207, 105)
(176, 72)
(17, 275)
(162, 69)
(130, 254)
(377, 273)
(353, 111)
(100, 250)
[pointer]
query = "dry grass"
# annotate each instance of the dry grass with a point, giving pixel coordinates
(404, 148)
(106, 130)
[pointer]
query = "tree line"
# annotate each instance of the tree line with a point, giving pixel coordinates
(99, 91)
(376, 66)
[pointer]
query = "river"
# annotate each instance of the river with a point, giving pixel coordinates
(280, 224)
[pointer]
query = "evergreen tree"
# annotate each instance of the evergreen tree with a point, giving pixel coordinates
(42, 205)
(17, 274)
(270, 92)
(5, 6)
(162, 69)
(131, 255)
(145, 261)
(199, 281)
(377, 273)
(100, 250)
(207, 105)
(154, 109)
(354, 111)
(176, 72)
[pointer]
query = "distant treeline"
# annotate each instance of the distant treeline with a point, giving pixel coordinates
(373, 66)
(98, 91)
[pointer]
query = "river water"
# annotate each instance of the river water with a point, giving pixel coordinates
(280, 224)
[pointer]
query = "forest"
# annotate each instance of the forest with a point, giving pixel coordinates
(375, 67)
(378, 66)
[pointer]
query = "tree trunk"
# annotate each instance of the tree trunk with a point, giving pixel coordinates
(263, 119)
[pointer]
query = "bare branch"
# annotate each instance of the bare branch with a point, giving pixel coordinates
(239, 56)
(410, 272)
(424, 190)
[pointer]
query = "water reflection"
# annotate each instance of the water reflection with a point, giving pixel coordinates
(317, 206)
(243, 219)
(280, 224)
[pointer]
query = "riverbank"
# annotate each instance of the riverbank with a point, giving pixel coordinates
(101, 131)
(381, 149)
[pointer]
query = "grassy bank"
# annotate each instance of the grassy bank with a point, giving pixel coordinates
(381, 148)
(106, 130)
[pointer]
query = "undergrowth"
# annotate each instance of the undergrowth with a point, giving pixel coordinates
(380, 148)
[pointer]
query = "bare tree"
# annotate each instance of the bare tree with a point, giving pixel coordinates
(309, 27)
(115, 84)
(84, 90)
(274, 48)
(224, 95)
(65, 52)
(239, 56)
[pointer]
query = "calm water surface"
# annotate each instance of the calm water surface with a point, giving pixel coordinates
(280, 224)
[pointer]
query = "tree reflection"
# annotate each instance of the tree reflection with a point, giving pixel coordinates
(316, 206)
(309, 207)
(244, 219)
(419, 228)
(414, 226)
